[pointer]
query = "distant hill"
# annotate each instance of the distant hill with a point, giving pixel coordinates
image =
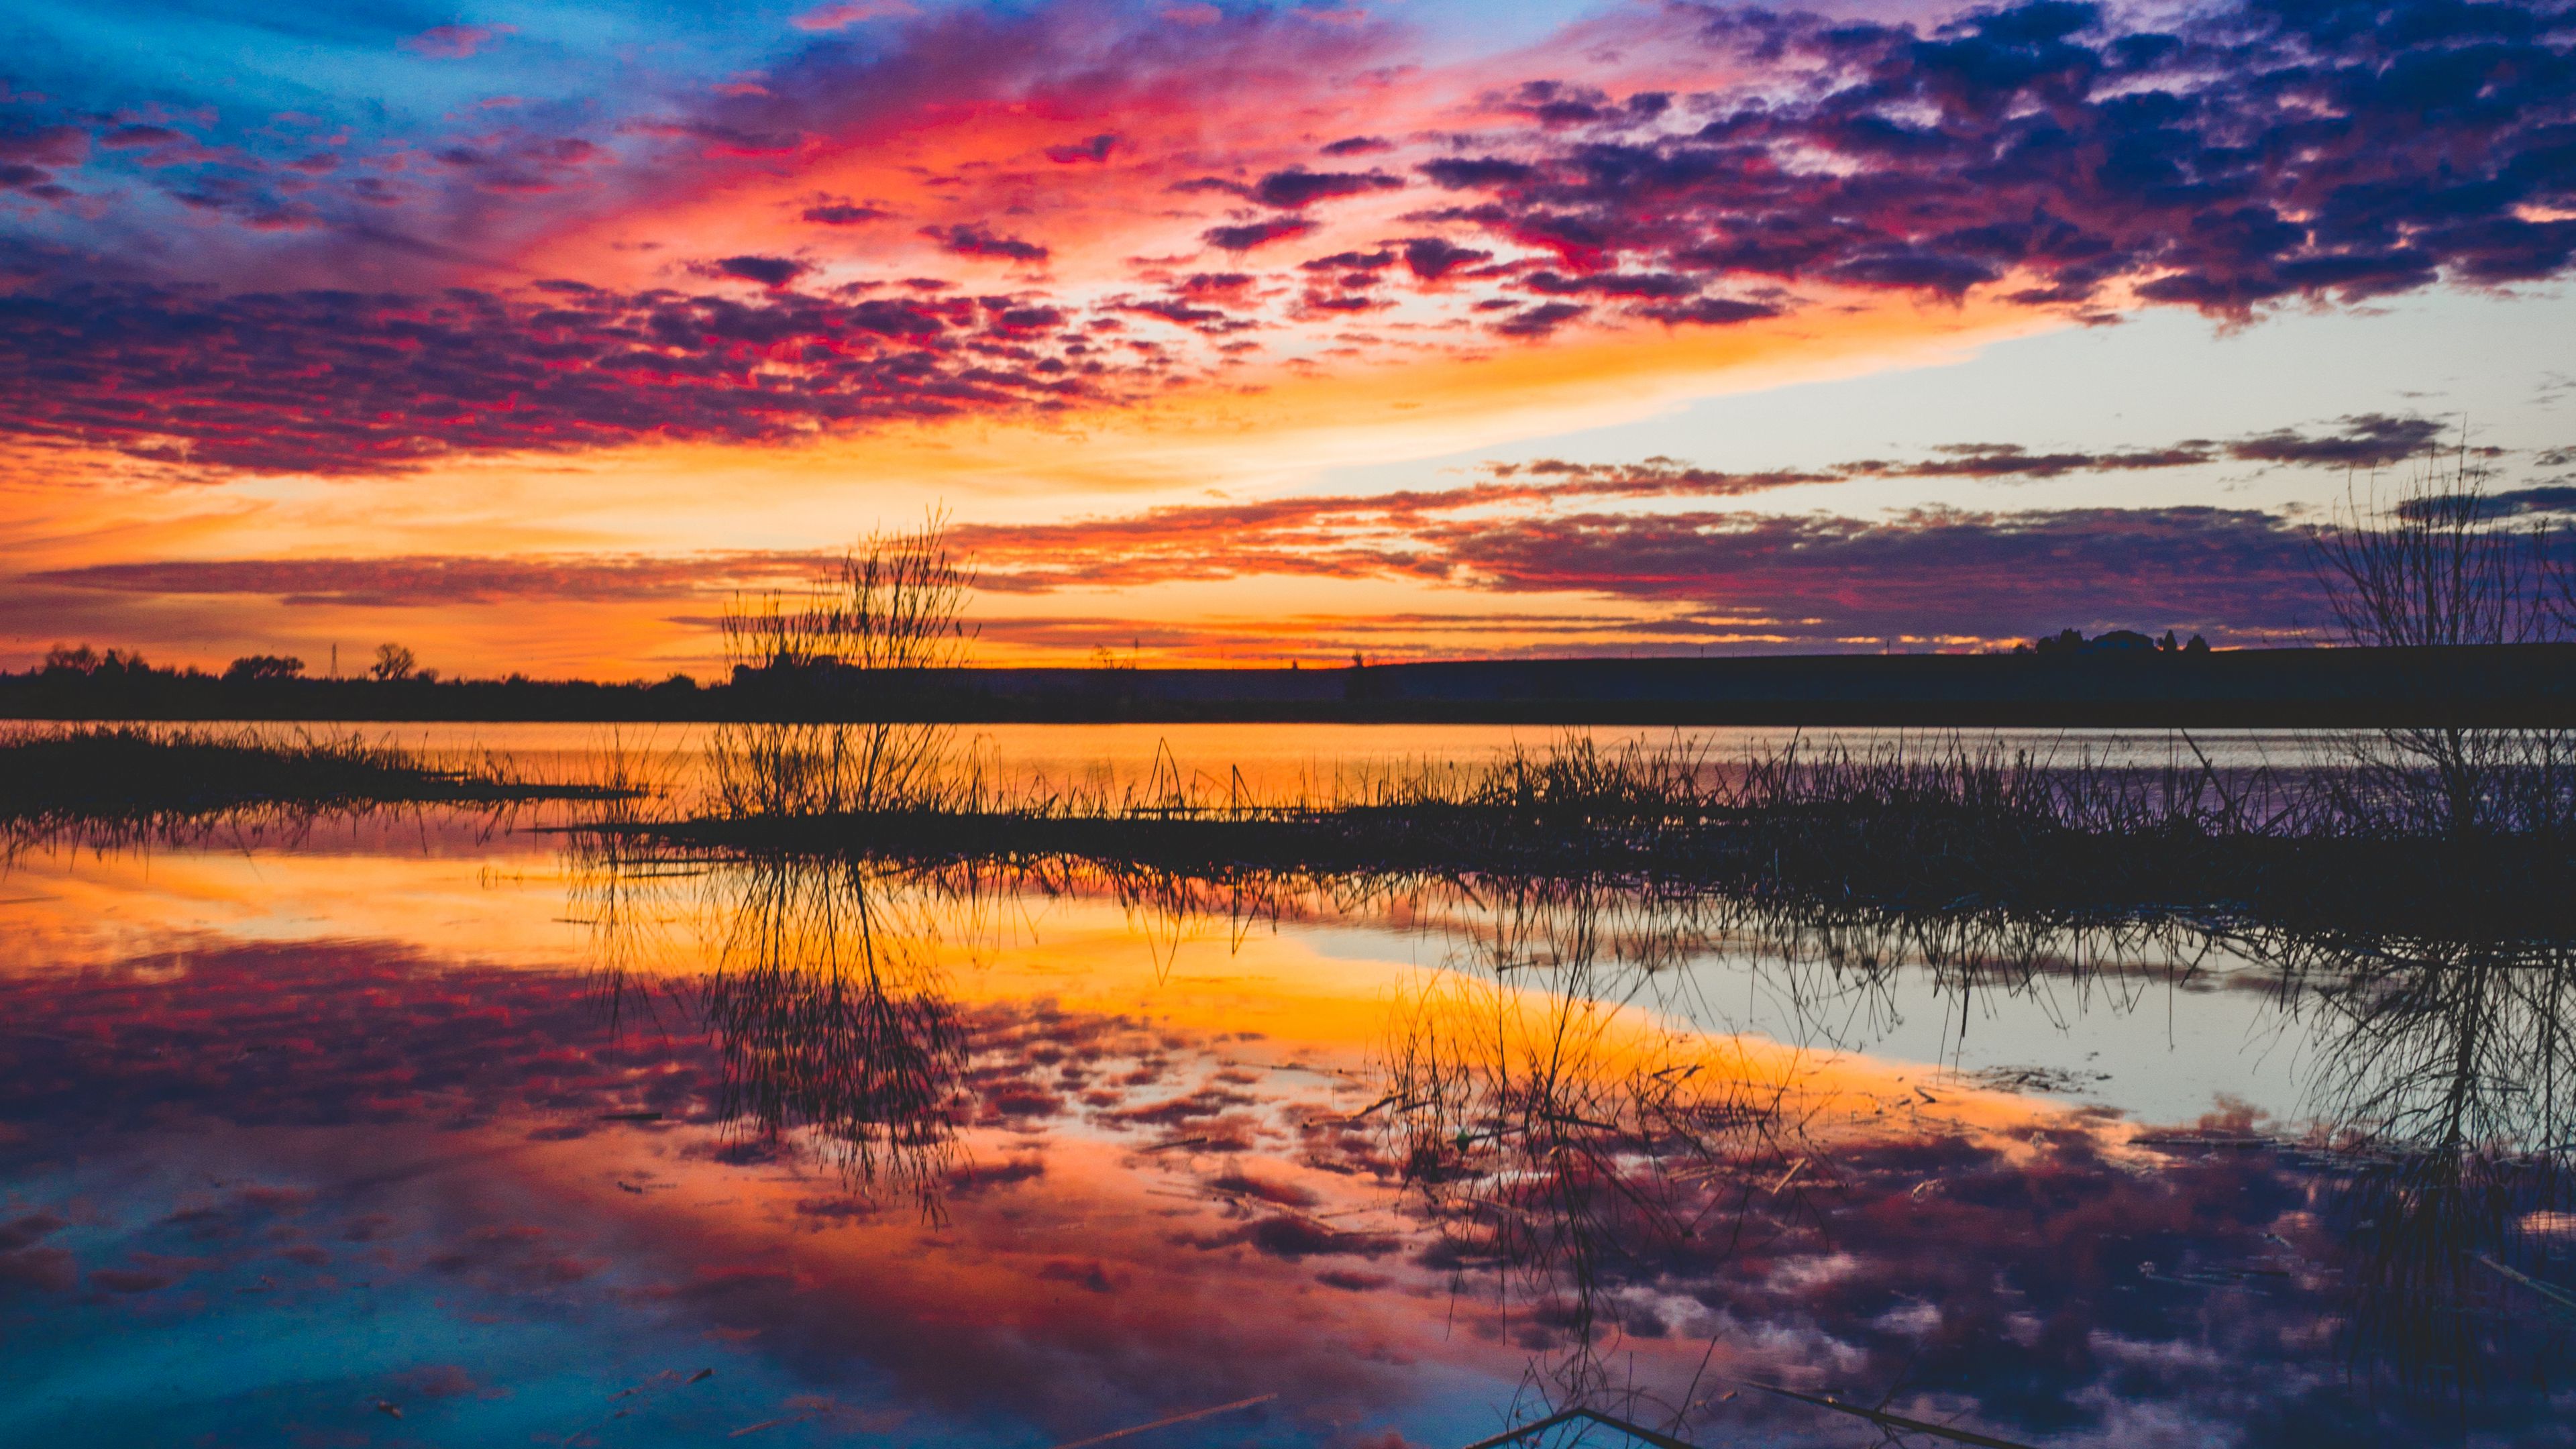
(2529, 684)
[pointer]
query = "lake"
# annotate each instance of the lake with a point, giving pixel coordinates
(446, 1127)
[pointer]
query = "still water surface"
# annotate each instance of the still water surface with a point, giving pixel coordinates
(431, 1128)
(1319, 762)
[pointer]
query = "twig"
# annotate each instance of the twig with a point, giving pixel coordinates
(1886, 1420)
(1633, 1431)
(1174, 1419)
(2556, 1296)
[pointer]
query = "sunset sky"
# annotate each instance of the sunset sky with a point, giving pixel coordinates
(528, 333)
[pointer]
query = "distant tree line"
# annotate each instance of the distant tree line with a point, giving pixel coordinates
(393, 664)
(77, 681)
(2117, 641)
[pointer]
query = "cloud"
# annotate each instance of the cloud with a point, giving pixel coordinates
(1710, 311)
(1657, 286)
(124, 138)
(31, 151)
(1351, 261)
(1430, 258)
(455, 42)
(1540, 320)
(2248, 155)
(846, 13)
(2229, 158)
(1093, 148)
(968, 240)
(2369, 440)
(2552, 499)
(1298, 187)
(772, 272)
(842, 213)
(436, 581)
(2011, 460)
(388, 381)
(1811, 580)
(1933, 572)
(1256, 234)
(1551, 526)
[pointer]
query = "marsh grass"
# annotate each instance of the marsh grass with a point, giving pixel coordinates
(1945, 825)
(130, 781)
(892, 614)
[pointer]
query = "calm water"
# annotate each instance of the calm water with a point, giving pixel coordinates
(1284, 762)
(426, 1129)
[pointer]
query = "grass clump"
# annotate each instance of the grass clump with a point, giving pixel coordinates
(1945, 826)
(144, 775)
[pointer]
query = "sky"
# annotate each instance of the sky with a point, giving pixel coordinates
(529, 335)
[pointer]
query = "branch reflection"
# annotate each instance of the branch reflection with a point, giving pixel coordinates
(1557, 1128)
(2444, 1096)
(1582, 1136)
(818, 982)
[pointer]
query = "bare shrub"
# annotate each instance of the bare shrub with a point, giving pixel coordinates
(893, 612)
(2444, 564)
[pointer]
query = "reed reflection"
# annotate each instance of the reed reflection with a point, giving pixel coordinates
(827, 1013)
(820, 987)
(2446, 1105)
(1574, 1139)
(1557, 1130)
(1563, 1133)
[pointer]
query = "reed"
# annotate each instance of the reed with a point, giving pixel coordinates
(1944, 826)
(894, 610)
(143, 776)
(2439, 563)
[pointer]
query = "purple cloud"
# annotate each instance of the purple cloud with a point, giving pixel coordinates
(1256, 234)
(2249, 155)
(1298, 187)
(772, 272)
(969, 240)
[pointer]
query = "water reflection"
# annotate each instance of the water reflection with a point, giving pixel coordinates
(1016, 1155)
(2444, 1103)
(821, 996)
(1558, 1137)
(1649, 1208)
(2426, 1187)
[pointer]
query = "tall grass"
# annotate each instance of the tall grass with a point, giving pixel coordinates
(139, 779)
(1947, 824)
(2439, 564)
(893, 611)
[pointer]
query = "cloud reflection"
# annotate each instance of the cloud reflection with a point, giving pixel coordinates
(1562, 1176)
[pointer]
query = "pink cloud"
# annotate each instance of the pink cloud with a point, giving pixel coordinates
(455, 42)
(850, 12)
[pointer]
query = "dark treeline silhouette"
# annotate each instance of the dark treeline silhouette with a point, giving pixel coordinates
(2461, 685)
(82, 683)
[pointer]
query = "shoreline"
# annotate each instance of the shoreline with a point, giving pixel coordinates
(2484, 686)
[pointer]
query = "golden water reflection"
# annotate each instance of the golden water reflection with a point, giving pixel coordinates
(1028, 1155)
